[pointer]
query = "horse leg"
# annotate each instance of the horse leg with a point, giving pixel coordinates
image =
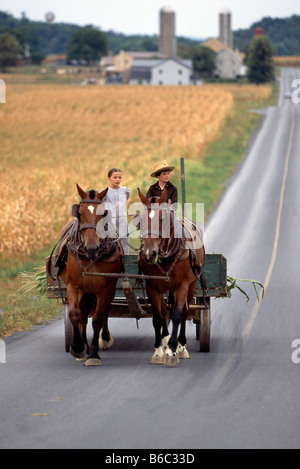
(106, 340)
(165, 336)
(94, 358)
(102, 310)
(78, 346)
(158, 356)
(171, 355)
(82, 330)
(182, 349)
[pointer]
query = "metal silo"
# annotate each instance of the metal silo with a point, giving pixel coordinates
(225, 28)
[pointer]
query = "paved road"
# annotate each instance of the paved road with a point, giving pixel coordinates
(244, 394)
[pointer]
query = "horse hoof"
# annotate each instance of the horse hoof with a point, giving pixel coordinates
(104, 345)
(165, 341)
(80, 357)
(93, 362)
(182, 352)
(158, 357)
(171, 358)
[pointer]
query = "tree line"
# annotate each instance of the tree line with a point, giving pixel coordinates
(46, 39)
(34, 40)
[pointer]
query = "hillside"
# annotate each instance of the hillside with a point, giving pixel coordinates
(284, 34)
(53, 38)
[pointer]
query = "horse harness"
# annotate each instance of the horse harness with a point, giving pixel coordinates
(173, 253)
(71, 241)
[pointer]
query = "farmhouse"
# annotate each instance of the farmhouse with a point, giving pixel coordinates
(118, 67)
(151, 68)
(162, 72)
(229, 62)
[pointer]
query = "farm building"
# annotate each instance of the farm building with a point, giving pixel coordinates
(162, 72)
(229, 62)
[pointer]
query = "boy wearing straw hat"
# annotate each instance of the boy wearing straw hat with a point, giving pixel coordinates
(162, 172)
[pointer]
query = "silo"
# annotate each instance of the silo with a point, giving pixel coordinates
(225, 28)
(167, 38)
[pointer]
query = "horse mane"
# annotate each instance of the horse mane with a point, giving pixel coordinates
(92, 194)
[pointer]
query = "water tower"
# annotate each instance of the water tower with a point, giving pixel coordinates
(49, 17)
(167, 38)
(225, 28)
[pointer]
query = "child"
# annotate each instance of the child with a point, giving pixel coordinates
(117, 197)
(162, 172)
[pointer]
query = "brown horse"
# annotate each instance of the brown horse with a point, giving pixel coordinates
(89, 250)
(175, 251)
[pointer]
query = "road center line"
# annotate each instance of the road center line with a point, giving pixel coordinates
(248, 328)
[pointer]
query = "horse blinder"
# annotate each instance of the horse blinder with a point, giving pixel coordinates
(75, 211)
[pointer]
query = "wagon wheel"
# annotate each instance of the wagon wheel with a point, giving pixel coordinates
(203, 328)
(68, 328)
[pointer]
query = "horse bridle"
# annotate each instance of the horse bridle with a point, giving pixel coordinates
(177, 245)
(76, 214)
(74, 244)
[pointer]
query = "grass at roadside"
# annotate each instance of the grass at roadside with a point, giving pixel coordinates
(205, 182)
(20, 311)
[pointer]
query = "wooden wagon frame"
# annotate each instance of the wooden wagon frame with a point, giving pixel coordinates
(130, 299)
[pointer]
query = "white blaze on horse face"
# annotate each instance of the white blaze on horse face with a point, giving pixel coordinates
(91, 209)
(151, 214)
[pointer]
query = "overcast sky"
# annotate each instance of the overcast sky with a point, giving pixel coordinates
(194, 18)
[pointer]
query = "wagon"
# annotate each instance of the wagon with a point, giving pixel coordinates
(130, 299)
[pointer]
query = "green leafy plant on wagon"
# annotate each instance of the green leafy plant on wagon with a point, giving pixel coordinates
(36, 281)
(233, 283)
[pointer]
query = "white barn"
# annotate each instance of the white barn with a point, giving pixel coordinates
(162, 72)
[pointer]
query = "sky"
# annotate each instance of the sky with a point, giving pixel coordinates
(194, 18)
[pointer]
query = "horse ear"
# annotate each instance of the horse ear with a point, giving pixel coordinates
(81, 192)
(143, 198)
(164, 196)
(102, 194)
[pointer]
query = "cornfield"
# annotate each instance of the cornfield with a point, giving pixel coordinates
(54, 136)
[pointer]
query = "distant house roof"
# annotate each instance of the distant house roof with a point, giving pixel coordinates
(152, 63)
(215, 44)
(54, 58)
(107, 60)
(146, 63)
(146, 55)
(186, 63)
(141, 69)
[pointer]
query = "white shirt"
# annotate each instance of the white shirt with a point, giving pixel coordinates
(116, 203)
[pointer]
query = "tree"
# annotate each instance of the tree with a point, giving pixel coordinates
(260, 61)
(87, 44)
(204, 60)
(28, 40)
(9, 50)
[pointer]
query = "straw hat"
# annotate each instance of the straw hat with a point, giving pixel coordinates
(161, 166)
